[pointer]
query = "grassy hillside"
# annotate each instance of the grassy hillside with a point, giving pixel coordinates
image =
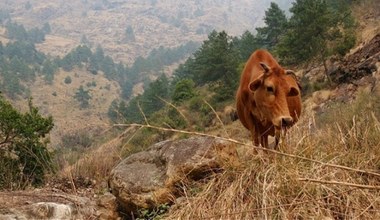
(327, 167)
(367, 15)
(57, 99)
(326, 170)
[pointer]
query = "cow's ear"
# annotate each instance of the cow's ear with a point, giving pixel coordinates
(292, 74)
(293, 92)
(265, 67)
(253, 86)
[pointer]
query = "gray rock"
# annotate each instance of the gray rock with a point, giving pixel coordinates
(148, 178)
(44, 204)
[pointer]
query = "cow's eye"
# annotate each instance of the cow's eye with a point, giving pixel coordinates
(270, 89)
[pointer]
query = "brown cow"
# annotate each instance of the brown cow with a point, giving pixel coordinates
(268, 98)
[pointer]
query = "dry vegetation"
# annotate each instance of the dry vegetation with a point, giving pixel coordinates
(367, 14)
(326, 171)
(57, 99)
(327, 168)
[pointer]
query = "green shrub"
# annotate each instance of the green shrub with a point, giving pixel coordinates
(68, 80)
(77, 140)
(24, 157)
(184, 90)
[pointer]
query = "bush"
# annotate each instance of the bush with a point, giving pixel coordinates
(68, 80)
(24, 157)
(184, 90)
(78, 140)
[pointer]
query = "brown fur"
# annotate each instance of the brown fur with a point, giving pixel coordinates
(268, 98)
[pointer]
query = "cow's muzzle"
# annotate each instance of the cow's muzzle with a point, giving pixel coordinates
(283, 122)
(286, 121)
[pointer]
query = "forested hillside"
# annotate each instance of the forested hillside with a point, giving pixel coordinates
(214, 69)
(128, 29)
(88, 56)
(68, 118)
(84, 81)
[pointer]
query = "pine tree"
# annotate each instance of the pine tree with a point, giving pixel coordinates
(83, 97)
(129, 34)
(150, 101)
(48, 70)
(313, 30)
(246, 45)
(275, 21)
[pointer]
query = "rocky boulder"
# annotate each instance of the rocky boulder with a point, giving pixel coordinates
(46, 204)
(360, 63)
(150, 178)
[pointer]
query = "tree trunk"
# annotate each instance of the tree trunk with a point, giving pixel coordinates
(323, 58)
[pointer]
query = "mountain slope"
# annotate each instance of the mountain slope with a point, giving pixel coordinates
(57, 99)
(154, 23)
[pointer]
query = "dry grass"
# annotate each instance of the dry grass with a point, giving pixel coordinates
(367, 14)
(340, 180)
(97, 163)
(57, 99)
(57, 45)
(328, 168)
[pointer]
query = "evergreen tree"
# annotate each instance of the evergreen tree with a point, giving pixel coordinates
(28, 5)
(246, 45)
(21, 69)
(275, 21)
(315, 29)
(129, 34)
(184, 71)
(184, 90)
(82, 54)
(46, 28)
(127, 89)
(84, 40)
(217, 59)
(1, 49)
(216, 62)
(117, 111)
(11, 84)
(150, 101)
(36, 35)
(68, 62)
(113, 111)
(83, 97)
(16, 31)
(96, 59)
(4, 16)
(108, 67)
(48, 70)
(99, 53)
(24, 50)
(133, 113)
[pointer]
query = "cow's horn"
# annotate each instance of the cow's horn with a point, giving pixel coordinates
(265, 67)
(290, 72)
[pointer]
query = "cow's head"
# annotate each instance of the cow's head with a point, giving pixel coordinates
(271, 90)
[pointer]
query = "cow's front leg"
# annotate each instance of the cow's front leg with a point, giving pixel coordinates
(255, 138)
(279, 134)
(264, 140)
